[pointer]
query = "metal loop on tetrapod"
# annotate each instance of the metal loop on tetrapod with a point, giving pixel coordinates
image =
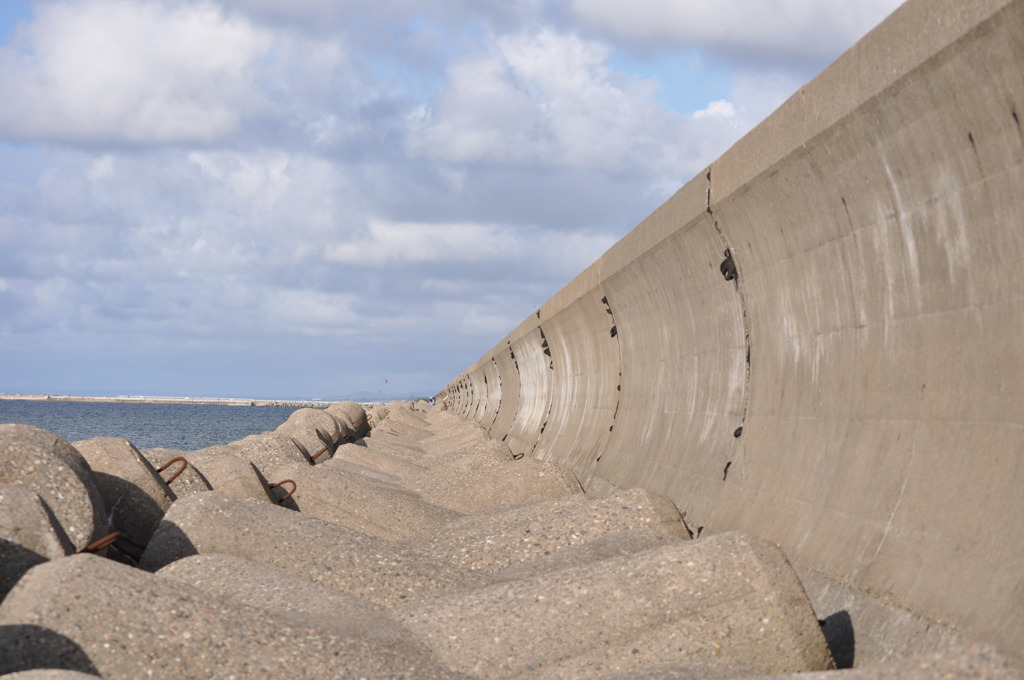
(172, 461)
(289, 494)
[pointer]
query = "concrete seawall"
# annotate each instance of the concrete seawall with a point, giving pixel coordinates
(855, 393)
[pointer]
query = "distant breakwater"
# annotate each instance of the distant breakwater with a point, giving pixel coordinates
(167, 400)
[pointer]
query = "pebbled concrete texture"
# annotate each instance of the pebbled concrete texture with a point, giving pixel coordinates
(130, 624)
(481, 479)
(232, 474)
(618, 614)
(29, 535)
(289, 598)
(853, 393)
(270, 448)
(495, 539)
(357, 501)
(135, 495)
(352, 419)
(188, 482)
(313, 431)
(41, 462)
(398, 461)
(319, 551)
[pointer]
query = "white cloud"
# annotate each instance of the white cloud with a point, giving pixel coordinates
(128, 72)
(310, 312)
(719, 108)
(431, 169)
(543, 98)
(780, 28)
(390, 243)
(102, 167)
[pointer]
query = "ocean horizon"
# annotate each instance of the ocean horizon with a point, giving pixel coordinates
(182, 425)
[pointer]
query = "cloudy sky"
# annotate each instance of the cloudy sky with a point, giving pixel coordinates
(312, 198)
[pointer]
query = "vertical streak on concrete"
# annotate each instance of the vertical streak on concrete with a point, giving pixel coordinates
(877, 224)
(509, 405)
(535, 391)
(730, 252)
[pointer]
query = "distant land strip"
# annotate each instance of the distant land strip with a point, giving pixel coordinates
(167, 400)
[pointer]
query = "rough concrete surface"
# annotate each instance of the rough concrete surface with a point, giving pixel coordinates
(319, 551)
(29, 535)
(128, 624)
(135, 495)
(480, 477)
(607, 546)
(313, 431)
(289, 598)
(374, 507)
(232, 474)
(352, 420)
(188, 482)
(494, 539)
(270, 448)
(398, 462)
(42, 462)
(618, 614)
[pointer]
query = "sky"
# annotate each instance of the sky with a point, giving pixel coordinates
(324, 198)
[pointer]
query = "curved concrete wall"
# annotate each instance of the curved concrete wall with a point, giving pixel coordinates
(857, 393)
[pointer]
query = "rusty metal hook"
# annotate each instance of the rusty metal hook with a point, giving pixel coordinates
(102, 543)
(289, 494)
(318, 454)
(172, 461)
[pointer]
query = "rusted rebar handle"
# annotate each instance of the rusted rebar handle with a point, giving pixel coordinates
(287, 495)
(318, 454)
(518, 456)
(172, 461)
(102, 543)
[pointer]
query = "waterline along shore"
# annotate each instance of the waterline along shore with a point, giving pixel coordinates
(133, 399)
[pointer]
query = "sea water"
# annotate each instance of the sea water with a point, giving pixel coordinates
(185, 427)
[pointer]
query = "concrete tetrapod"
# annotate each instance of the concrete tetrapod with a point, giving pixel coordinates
(182, 482)
(494, 539)
(341, 465)
(398, 428)
(29, 535)
(375, 414)
(232, 475)
(292, 599)
(352, 418)
(358, 502)
(133, 491)
(40, 461)
(267, 449)
(130, 624)
(391, 459)
(729, 596)
(314, 431)
(435, 453)
(451, 432)
(486, 476)
(322, 552)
